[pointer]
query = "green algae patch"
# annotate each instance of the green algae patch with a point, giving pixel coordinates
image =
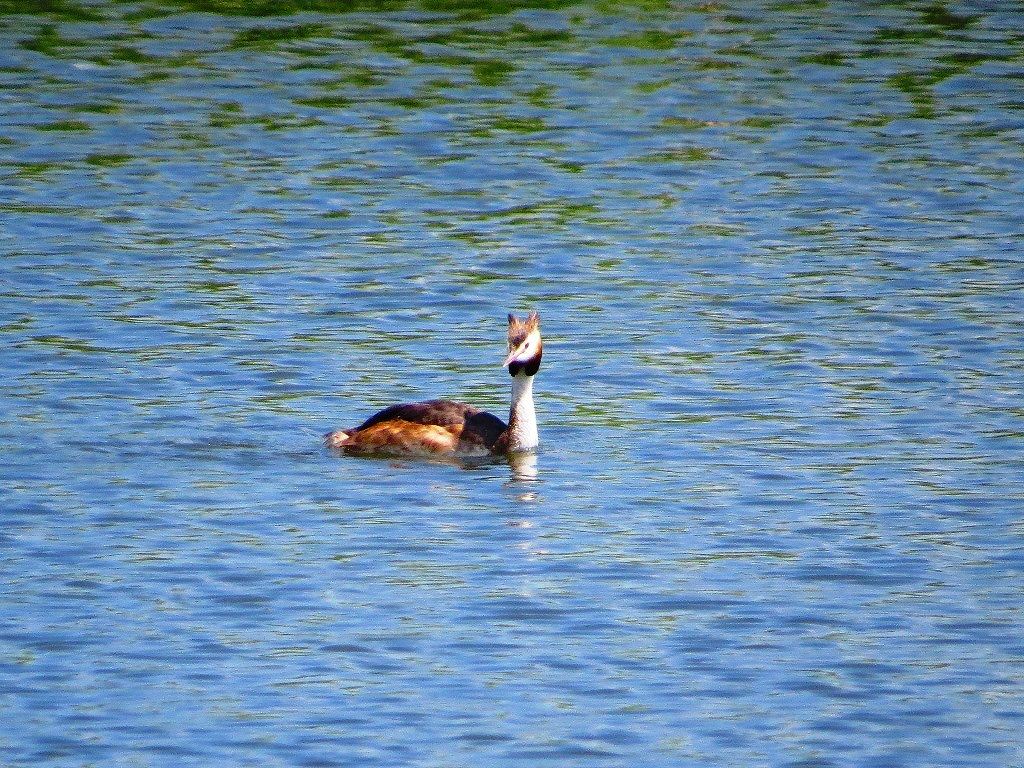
(357, 78)
(264, 8)
(464, 9)
(825, 59)
(269, 37)
(939, 15)
(64, 125)
(385, 40)
(611, 7)
(228, 114)
(685, 123)
(519, 124)
(565, 165)
(679, 155)
(888, 35)
(762, 122)
(541, 96)
(710, 65)
(425, 101)
(156, 76)
(129, 55)
(654, 86)
(915, 82)
(68, 344)
(877, 120)
(107, 159)
(37, 170)
(716, 230)
(492, 72)
(518, 34)
(59, 8)
(98, 108)
(918, 87)
(324, 102)
(649, 39)
(49, 42)
(484, 8)
(286, 122)
(559, 212)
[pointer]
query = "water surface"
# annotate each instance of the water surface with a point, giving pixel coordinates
(776, 249)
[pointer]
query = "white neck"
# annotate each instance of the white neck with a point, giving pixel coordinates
(522, 420)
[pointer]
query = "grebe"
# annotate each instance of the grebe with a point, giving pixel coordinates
(439, 427)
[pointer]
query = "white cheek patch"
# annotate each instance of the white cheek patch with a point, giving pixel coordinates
(528, 348)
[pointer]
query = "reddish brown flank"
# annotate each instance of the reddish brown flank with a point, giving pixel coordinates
(403, 437)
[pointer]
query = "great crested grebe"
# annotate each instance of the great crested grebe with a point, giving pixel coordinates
(445, 427)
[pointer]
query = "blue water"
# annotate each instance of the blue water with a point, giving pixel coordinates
(777, 515)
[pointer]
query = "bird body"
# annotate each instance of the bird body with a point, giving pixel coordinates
(445, 427)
